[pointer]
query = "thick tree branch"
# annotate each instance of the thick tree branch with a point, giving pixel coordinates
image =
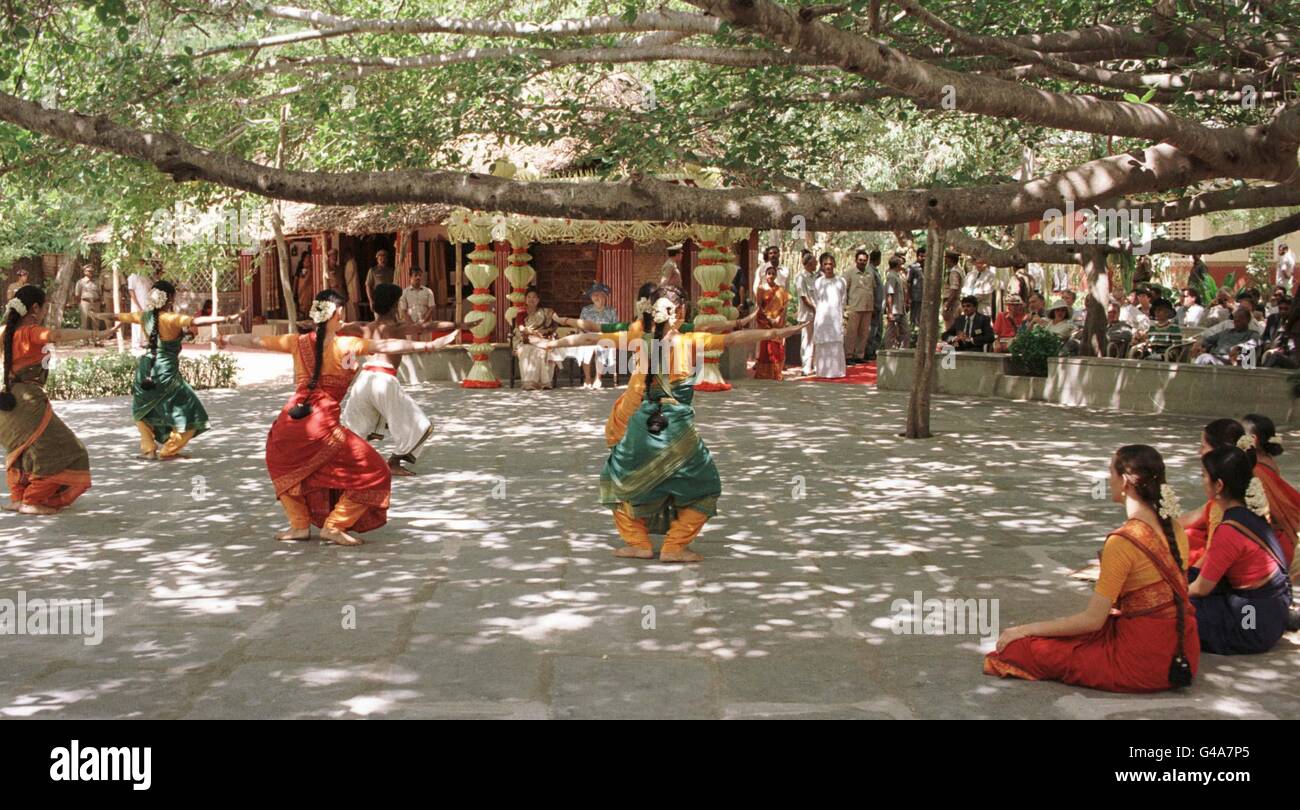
(1150, 171)
(1224, 148)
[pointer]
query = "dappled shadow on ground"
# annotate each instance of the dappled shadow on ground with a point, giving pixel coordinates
(493, 591)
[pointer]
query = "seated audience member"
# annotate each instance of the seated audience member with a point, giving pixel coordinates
(536, 366)
(1201, 522)
(1230, 347)
(1191, 313)
(1129, 321)
(1035, 311)
(1059, 324)
(1077, 314)
(1244, 571)
(1283, 499)
(1008, 323)
(971, 331)
(1162, 336)
(1150, 643)
(1273, 300)
(1273, 323)
(1220, 311)
(1284, 350)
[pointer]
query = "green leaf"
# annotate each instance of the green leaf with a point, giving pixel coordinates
(1129, 97)
(1148, 95)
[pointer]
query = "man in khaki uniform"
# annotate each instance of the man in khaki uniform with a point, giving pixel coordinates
(860, 305)
(20, 282)
(87, 293)
(953, 278)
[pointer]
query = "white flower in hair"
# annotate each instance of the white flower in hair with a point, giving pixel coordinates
(157, 298)
(1169, 508)
(664, 310)
(322, 311)
(1256, 500)
(642, 307)
(1246, 443)
(17, 306)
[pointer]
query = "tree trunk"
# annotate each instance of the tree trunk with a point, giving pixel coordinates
(918, 409)
(1095, 302)
(282, 255)
(59, 297)
(117, 305)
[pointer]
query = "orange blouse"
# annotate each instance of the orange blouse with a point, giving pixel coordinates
(1124, 568)
(29, 346)
(338, 350)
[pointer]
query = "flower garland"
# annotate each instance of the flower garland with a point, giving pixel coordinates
(322, 311)
(482, 272)
(17, 306)
(157, 299)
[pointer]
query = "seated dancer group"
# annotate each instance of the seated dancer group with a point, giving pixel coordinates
(659, 477)
(1152, 612)
(46, 465)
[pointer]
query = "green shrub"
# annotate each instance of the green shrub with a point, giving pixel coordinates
(111, 374)
(1031, 348)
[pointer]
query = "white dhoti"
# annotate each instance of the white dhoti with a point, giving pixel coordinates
(828, 359)
(377, 405)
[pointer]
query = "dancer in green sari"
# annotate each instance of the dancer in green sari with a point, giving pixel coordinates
(164, 407)
(659, 477)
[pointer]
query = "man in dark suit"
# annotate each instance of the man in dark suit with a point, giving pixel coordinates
(972, 330)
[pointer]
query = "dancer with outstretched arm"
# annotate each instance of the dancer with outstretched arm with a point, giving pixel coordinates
(46, 465)
(324, 474)
(659, 477)
(164, 407)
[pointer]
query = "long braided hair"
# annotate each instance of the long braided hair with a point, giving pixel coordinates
(1143, 467)
(304, 406)
(167, 287)
(656, 423)
(30, 296)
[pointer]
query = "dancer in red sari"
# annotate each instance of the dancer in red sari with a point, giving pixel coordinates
(323, 473)
(1283, 499)
(1138, 632)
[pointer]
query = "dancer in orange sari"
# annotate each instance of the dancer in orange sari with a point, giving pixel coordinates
(771, 299)
(324, 474)
(1283, 499)
(46, 465)
(1201, 522)
(1138, 632)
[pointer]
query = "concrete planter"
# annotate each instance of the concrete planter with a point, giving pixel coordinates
(957, 373)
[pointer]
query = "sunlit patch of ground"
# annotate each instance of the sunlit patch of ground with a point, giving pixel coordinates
(493, 591)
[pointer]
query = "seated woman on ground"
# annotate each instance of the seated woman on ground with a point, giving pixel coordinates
(1200, 523)
(1149, 643)
(1241, 591)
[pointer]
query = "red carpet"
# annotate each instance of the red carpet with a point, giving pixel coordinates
(861, 374)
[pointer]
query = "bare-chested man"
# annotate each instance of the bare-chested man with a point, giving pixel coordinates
(376, 404)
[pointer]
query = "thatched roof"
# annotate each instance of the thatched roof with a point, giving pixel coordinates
(360, 220)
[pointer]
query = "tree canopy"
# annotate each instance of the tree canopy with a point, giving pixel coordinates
(865, 115)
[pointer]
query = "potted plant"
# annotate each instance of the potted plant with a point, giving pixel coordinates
(1030, 349)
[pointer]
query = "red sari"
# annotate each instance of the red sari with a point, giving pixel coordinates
(1134, 648)
(1283, 509)
(771, 301)
(316, 458)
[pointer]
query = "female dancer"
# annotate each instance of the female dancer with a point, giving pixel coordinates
(1151, 643)
(1242, 593)
(46, 465)
(659, 477)
(1283, 499)
(1200, 523)
(323, 473)
(164, 408)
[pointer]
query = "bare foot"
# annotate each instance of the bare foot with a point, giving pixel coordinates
(172, 456)
(150, 456)
(10, 506)
(639, 552)
(339, 538)
(396, 468)
(294, 535)
(595, 384)
(36, 509)
(684, 555)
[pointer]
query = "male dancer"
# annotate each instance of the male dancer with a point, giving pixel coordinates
(376, 402)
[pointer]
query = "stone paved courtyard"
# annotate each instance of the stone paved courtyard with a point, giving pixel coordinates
(493, 593)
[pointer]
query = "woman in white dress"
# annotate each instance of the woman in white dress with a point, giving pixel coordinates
(829, 293)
